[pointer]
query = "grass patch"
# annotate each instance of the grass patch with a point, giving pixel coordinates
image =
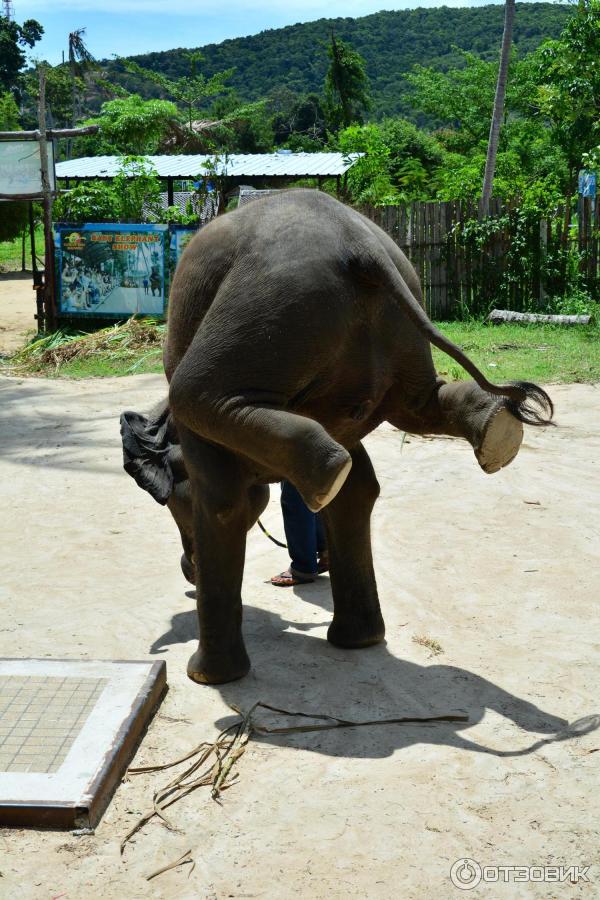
(11, 251)
(540, 353)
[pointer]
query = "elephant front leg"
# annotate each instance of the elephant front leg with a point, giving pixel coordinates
(357, 620)
(463, 409)
(220, 521)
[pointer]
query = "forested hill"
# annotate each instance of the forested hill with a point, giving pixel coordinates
(391, 43)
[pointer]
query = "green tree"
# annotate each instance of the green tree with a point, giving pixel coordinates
(14, 214)
(302, 123)
(9, 112)
(568, 77)
(132, 196)
(130, 125)
(189, 91)
(236, 127)
(400, 162)
(14, 39)
(346, 85)
(460, 99)
(368, 181)
(59, 95)
(80, 62)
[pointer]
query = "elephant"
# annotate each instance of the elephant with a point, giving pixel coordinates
(296, 326)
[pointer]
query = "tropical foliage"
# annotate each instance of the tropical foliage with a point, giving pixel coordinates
(390, 43)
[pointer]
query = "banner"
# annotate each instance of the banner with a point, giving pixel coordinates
(111, 270)
(587, 184)
(181, 235)
(20, 171)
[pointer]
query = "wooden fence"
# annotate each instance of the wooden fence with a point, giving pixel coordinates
(518, 263)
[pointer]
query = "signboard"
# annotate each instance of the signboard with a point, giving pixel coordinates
(587, 184)
(181, 235)
(111, 270)
(20, 171)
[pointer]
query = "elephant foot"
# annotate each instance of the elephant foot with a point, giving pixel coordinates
(333, 480)
(354, 633)
(502, 438)
(218, 668)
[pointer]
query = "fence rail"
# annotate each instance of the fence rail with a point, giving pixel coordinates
(466, 264)
(517, 260)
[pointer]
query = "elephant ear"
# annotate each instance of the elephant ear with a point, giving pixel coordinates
(146, 448)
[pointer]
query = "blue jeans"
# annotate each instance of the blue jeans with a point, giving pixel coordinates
(304, 531)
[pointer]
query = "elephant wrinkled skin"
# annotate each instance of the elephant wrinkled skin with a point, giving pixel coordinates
(295, 328)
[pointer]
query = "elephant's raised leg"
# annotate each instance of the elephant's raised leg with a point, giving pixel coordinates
(294, 447)
(463, 409)
(357, 620)
(220, 503)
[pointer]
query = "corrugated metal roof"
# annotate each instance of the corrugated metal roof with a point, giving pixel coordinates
(287, 165)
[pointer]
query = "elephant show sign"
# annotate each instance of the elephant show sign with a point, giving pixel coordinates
(110, 270)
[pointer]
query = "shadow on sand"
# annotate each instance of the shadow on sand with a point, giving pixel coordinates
(307, 674)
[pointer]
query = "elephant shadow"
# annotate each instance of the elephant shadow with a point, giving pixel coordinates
(364, 685)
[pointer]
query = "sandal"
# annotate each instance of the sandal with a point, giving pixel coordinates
(288, 579)
(323, 564)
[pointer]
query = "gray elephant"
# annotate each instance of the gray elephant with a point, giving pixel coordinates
(295, 328)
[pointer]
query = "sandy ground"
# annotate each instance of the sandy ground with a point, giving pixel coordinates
(502, 571)
(17, 311)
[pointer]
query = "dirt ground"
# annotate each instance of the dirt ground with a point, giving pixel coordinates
(502, 571)
(17, 311)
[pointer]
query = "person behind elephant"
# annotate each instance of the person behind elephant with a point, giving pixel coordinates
(305, 537)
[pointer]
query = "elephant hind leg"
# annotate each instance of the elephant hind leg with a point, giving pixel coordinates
(463, 409)
(255, 425)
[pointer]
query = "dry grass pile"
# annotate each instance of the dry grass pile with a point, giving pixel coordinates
(136, 339)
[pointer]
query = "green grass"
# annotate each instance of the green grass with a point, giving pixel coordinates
(11, 252)
(104, 368)
(540, 353)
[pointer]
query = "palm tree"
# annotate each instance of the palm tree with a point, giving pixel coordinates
(80, 60)
(498, 113)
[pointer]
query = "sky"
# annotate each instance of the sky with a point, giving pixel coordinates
(129, 27)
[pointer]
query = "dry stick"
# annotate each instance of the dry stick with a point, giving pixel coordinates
(228, 750)
(459, 716)
(216, 775)
(183, 859)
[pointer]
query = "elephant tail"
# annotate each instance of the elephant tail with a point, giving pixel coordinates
(526, 401)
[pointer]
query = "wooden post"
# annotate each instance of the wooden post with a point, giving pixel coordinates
(170, 198)
(49, 285)
(32, 238)
(44, 282)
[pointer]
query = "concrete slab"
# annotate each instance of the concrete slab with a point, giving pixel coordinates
(68, 730)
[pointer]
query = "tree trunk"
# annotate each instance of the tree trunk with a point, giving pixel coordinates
(497, 115)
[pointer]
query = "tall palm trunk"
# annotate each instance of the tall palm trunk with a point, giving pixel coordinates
(498, 114)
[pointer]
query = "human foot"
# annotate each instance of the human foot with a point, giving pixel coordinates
(289, 579)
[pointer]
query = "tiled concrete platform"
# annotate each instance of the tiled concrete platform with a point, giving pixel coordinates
(67, 732)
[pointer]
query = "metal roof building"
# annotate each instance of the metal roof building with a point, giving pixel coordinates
(248, 165)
